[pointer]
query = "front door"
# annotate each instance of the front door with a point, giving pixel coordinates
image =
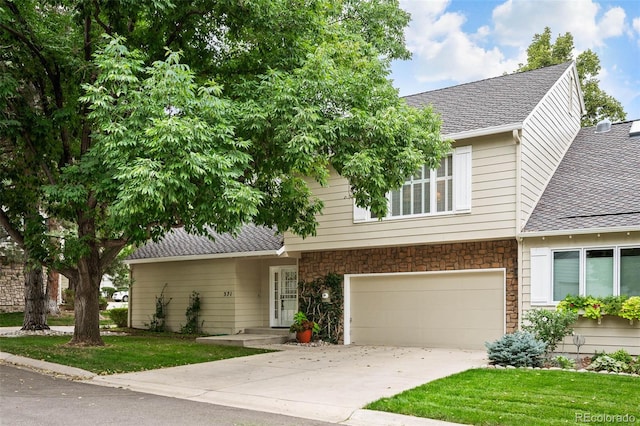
(284, 295)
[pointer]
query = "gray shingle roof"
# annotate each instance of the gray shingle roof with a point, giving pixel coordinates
(177, 243)
(597, 184)
(492, 102)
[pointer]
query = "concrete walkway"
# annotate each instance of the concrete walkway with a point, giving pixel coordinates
(326, 383)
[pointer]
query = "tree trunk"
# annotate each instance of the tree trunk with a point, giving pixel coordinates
(53, 278)
(35, 301)
(87, 304)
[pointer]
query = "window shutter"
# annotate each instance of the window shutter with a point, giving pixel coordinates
(462, 179)
(540, 276)
(360, 214)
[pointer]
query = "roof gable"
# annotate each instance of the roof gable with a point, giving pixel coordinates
(492, 102)
(596, 186)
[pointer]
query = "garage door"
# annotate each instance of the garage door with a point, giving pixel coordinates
(441, 310)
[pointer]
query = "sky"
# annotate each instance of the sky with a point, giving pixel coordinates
(458, 41)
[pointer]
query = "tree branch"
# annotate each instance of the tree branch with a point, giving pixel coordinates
(111, 251)
(96, 16)
(15, 235)
(179, 24)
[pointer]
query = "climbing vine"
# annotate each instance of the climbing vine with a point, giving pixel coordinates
(160, 315)
(193, 326)
(329, 315)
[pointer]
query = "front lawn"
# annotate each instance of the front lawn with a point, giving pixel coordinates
(521, 397)
(15, 319)
(143, 351)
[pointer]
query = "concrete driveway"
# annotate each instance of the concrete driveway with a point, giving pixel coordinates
(328, 383)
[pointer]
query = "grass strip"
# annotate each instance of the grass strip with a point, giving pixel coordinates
(520, 397)
(122, 354)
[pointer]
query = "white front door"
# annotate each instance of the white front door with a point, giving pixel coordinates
(284, 295)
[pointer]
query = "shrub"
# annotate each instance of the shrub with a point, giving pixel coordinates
(519, 349)
(622, 356)
(618, 361)
(550, 327)
(605, 362)
(108, 292)
(120, 316)
(564, 362)
(69, 298)
(103, 303)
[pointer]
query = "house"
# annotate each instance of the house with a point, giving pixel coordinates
(582, 237)
(450, 266)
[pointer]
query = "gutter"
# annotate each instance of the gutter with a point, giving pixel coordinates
(485, 131)
(281, 252)
(579, 231)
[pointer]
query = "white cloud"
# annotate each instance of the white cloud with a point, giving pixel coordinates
(445, 52)
(516, 21)
(635, 25)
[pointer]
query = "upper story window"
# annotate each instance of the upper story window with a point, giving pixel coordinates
(598, 272)
(446, 189)
(425, 192)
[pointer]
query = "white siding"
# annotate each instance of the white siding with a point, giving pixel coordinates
(234, 293)
(214, 280)
(492, 215)
(614, 333)
(546, 136)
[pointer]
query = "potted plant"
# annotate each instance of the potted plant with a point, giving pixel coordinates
(303, 327)
(631, 309)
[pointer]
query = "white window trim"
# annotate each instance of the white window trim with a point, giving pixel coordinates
(461, 200)
(541, 271)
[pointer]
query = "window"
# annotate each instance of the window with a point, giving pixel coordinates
(446, 189)
(600, 272)
(630, 271)
(566, 273)
(425, 192)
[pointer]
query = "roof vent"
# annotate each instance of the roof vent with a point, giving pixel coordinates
(635, 129)
(603, 126)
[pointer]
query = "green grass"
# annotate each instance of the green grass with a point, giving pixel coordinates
(518, 397)
(14, 319)
(121, 354)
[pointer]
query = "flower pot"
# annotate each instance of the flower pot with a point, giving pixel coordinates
(303, 336)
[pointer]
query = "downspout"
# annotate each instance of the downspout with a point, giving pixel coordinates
(518, 141)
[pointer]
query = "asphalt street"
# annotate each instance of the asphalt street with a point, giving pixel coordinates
(33, 398)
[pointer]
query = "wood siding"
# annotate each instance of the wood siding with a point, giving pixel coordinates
(234, 293)
(546, 136)
(492, 216)
(614, 334)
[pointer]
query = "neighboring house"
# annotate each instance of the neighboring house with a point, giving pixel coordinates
(583, 237)
(441, 270)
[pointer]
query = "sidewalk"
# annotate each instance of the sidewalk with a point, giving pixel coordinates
(330, 384)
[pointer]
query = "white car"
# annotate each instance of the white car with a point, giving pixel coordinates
(121, 296)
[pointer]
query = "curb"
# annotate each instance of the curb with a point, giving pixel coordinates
(47, 367)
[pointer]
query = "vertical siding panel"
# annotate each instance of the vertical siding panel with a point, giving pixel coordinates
(546, 136)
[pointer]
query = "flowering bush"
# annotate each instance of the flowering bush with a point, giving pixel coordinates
(548, 326)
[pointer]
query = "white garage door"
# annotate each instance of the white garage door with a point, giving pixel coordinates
(441, 310)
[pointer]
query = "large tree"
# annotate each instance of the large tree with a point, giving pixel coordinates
(598, 104)
(123, 119)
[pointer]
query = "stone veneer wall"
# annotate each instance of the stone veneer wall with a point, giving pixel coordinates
(11, 286)
(441, 257)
